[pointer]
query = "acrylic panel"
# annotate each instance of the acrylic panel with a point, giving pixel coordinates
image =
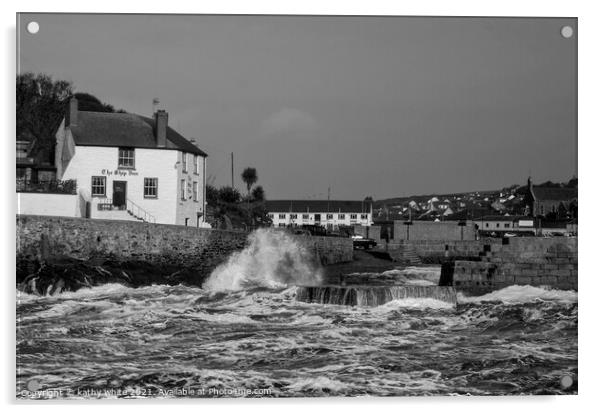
(295, 206)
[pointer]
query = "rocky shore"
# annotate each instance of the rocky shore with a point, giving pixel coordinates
(54, 276)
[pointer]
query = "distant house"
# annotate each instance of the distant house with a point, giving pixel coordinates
(32, 168)
(542, 200)
(328, 214)
(505, 223)
(25, 163)
(128, 166)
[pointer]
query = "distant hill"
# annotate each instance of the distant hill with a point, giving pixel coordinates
(459, 205)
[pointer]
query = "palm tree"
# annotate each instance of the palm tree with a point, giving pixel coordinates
(258, 193)
(249, 176)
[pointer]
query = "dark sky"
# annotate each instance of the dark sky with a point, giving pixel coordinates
(380, 106)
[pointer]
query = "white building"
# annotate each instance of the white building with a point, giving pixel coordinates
(131, 167)
(505, 223)
(328, 214)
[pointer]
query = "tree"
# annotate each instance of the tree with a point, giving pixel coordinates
(249, 176)
(89, 103)
(212, 195)
(228, 195)
(258, 194)
(41, 105)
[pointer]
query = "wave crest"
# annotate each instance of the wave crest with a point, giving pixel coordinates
(273, 259)
(516, 294)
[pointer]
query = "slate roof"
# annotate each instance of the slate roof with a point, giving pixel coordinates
(287, 205)
(543, 193)
(125, 129)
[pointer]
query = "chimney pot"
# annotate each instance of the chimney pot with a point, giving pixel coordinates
(161, 128)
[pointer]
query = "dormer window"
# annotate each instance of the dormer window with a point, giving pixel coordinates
(126, 158)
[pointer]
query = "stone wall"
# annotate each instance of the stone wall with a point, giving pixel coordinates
(435, 231)
(436, 250)
(328, 250)
(371, 231)
(549, 262)
(41, 237)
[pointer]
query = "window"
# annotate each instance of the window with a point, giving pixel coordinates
(281, 225)
(184, 162)
(183, 189)
(506, 225)
(364, 216)
(328, 216)
(282, 216)
(497, 225)
(341, 216)
(196, 164)
(293, 216)
(151, 186)
(195, 191)
(99, 186)
(305, 216)
(126, 158)
(353, 216)
(487, 225)
(271, 216)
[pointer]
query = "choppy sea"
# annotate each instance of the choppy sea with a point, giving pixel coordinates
(160, 341)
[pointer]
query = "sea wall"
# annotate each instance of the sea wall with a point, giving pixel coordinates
(43, 238)
(533, 261)
(434, 231)
(430, 251)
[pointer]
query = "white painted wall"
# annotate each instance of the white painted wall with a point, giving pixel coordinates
(59, 205)
(91, 161)
(188, 207)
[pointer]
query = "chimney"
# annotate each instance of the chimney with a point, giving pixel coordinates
(161, 128)
(71, 115)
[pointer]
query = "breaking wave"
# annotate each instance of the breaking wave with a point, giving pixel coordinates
(273, 259)
(516, 294)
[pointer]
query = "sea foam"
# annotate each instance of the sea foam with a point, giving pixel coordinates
(516, 294)
(273, 259)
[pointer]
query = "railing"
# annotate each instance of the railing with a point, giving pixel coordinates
(106, 204)
(50, 187)
(139, 212)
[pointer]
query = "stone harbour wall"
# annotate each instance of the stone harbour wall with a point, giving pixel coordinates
(434, 231)
(433, 251)
(551, 262)
(44, 237)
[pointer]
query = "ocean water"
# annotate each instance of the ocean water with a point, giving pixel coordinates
(246, 335)
(161, 341)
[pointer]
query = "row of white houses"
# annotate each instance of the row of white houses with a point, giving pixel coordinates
(330, 214)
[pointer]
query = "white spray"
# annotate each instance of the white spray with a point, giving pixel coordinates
(273, 259)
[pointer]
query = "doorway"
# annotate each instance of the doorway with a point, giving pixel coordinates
(119, 194)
